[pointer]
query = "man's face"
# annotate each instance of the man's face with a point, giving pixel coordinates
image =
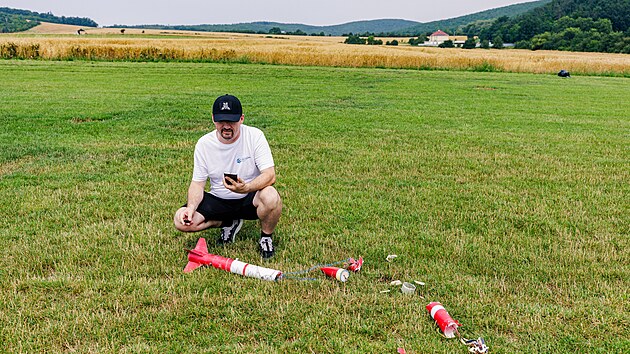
(229, 131)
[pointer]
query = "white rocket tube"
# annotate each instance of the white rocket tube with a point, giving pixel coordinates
(253, 271)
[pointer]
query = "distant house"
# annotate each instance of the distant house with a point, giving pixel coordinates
(438, 37)
(458, 41)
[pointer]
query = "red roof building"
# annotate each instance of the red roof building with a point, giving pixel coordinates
(439, 33)
(438, 37)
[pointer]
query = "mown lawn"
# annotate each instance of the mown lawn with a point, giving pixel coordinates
(507, 194)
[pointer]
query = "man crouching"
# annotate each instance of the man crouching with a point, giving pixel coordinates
(237, 160)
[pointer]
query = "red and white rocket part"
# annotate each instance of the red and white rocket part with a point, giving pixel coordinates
(447, 324)
(199, 256)
(355, 265)
(338, 273)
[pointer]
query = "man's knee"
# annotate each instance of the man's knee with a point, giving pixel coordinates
(181, 227)
(270, 198)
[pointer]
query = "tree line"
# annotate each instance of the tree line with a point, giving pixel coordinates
(16, 20)
(13, 23)
(575, 25)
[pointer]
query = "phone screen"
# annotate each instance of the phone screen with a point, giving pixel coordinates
(233, 176)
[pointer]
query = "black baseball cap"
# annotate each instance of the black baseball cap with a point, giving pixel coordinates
(227, 108)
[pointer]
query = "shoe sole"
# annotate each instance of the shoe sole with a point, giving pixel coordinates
(238, 228)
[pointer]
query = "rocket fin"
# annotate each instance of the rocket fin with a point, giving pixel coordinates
(191, 266)
(201, 246)
(200, 249)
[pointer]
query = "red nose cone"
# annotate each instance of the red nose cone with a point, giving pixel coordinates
(338, 273)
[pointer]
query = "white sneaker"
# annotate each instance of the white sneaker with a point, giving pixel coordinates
(266, 247)
(228, 233)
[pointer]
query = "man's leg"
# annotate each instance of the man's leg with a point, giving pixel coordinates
(217, 210)
(197, 223)
(268, 207)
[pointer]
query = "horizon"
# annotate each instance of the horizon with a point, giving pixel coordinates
(197, 12)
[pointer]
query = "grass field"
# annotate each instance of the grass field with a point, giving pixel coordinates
(507, 194)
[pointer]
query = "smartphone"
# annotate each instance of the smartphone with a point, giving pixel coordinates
(233, 176)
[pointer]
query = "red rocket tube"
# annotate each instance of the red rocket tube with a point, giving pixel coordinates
(447, 324)
(338, 273)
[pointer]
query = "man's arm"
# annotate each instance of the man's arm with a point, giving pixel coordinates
(266, 178)
(195, 196)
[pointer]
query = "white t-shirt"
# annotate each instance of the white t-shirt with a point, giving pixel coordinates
(246, 157)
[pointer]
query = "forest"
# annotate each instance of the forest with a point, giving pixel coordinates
(573, 25)
(15, 20)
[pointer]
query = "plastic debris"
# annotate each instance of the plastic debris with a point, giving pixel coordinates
(475, 345)
(408, 288)
(391, 257)
(396, 283)
(355, 265)
(384, 291)
(450, 328)
(418, 282)
(401, 351)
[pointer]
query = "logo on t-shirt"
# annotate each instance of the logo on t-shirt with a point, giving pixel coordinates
(241, 159)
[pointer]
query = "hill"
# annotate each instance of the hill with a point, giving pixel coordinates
(20, 20)
(396, 27)
(451, 25)
(577, 25)
(372, 26)
(617, 11)
(58, 28)
(16, 20)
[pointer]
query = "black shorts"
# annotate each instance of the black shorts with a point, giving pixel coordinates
(215, 208)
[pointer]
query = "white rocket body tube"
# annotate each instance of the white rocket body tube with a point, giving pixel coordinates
(253, 271)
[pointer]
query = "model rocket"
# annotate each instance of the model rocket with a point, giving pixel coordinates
(199, 256)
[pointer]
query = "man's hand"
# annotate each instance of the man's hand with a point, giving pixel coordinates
(186, 216)
(195, 196)
(266, 178)
(238, 186)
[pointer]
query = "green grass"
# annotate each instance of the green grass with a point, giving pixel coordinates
(507, 194)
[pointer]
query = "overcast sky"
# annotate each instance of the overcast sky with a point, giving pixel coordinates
(310, 12)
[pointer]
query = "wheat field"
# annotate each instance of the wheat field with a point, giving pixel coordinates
(56, 43)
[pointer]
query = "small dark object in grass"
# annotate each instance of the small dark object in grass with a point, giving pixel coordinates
(564, 73)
